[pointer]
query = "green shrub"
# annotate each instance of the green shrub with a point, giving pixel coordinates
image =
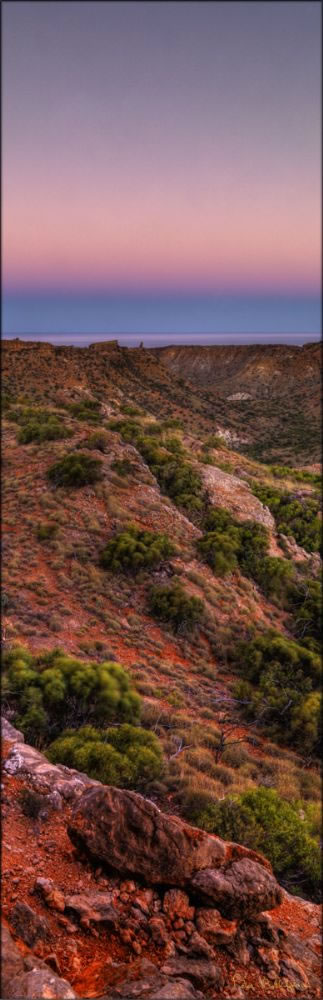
(47, 531)
(123, 466)
(219, 549)
(75, 470)
(280, 675)
(50, 430)
(127, 756)
(51, 691)
(172, 605)
(305, 602)
(293, 516)
(261, 820)
(176, 477)
(87, 410)
(133, 549)
(99, 441)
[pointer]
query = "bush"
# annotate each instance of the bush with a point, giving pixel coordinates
(75, 470)
(305, 602)
(261, 820)
(134, 549)
(123, 466)
(176, 477)
(295, 517)
(219, 549)
(51, 691)
(172, 605)
(51, 429)
(282, 674)
(47, 531)
(87, 410)
(98, 441)
(126, 757)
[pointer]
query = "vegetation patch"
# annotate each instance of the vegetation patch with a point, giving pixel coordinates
(126, 756)
(134, 549)
(294, 517)
(279, 688)
(75, 470)
(172, 605)
(51, 691)
(261, 820)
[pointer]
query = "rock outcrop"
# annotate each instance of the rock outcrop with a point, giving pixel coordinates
(132, 836)
(26, 976)
(235, 495)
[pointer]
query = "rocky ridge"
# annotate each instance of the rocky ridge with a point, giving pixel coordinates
(188, 915)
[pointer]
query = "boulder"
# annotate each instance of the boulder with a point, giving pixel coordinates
(240, 890)
(131, 835)
(26, 976)
(29, 925)
(40, 983)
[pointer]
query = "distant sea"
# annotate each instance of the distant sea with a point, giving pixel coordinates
(157, 320)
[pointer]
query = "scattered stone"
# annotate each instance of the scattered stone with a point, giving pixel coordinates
(53, 896)
(93, 906)
(202, 973)
(158, 931)
(216, 929)
(176, 904)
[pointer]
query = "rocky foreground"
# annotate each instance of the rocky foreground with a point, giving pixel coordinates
(106, 896)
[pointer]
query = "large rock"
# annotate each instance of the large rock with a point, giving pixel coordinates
(29, 925)
(235, 495)
(241, 890)
(131, 835)
(25, 976)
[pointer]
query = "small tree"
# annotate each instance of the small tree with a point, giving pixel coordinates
(172, 605)
(75, 470)
(134, 549)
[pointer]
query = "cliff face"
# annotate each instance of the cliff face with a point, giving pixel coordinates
(108, 897)
(256, 369)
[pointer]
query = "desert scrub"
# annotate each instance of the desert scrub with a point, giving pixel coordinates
(261, 820)
(51, 691)
(87, 410)
(280, 688)
(75, 470)
(123, 467)
(45, 532)
(98, 441)
(293, 516)
(51, 429)
(172, 605)
(127, 756)
(134, 549)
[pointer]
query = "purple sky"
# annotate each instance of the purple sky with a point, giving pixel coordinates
(160, 152)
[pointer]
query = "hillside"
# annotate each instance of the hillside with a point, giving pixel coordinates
(160, 599)
(270, 392)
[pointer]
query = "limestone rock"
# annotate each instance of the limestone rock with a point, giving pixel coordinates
(130, 834)
(242, 889)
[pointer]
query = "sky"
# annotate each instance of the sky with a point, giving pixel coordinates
(161, 168)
